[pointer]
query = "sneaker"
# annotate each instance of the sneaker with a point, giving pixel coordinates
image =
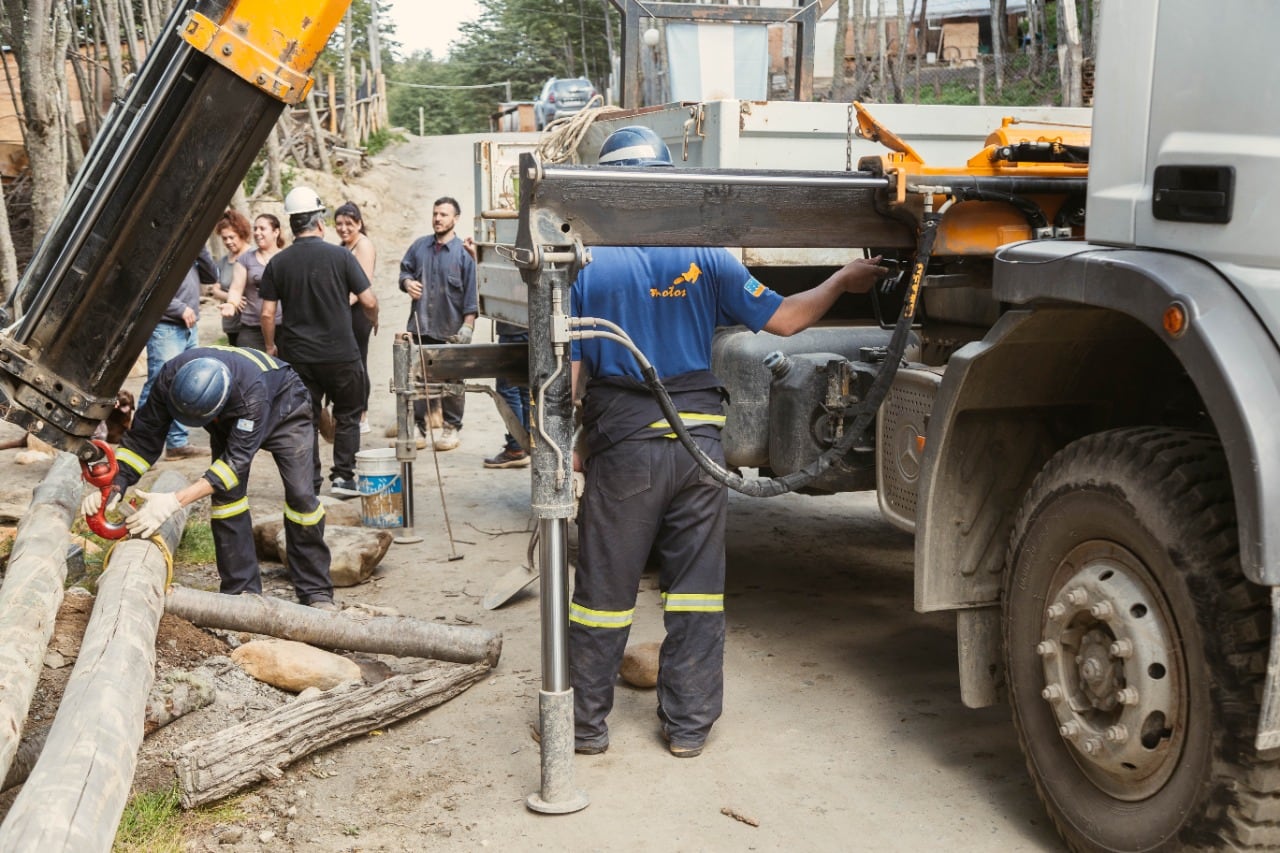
(449, 439)
(343, 488)
(508, 458)
(186, 451)
(327, 604)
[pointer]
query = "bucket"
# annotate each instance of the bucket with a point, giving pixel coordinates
(378, 481)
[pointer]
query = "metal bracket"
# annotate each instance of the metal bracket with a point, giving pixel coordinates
(245, 59)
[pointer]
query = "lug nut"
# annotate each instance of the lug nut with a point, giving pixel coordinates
(1127, 696)
(1102, 610)
(1092, 746)
(1046, 648)
(1056, 611)
(1117, 733)
(1052, 693)
(1121, 649)
(1069, 729)
(1077, 596)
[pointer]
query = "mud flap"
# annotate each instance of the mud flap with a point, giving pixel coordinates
(1269, 718)
(978, 642)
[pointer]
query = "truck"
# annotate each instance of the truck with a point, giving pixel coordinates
(1074, 412)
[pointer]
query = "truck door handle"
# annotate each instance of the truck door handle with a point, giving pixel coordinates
(1193, 193)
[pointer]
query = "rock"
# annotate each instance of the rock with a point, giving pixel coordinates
(354, 552)
(640, 664)
(53, 660)
(265, 532)
(231, 835)
(266, 836)
(32, 457)
(341, 513)
(294, 666)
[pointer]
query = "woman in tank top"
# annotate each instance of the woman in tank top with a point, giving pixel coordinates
(243, 296)
(349, 224)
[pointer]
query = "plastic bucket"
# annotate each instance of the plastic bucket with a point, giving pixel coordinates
(381, 494)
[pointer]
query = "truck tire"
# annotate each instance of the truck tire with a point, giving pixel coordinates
(1135, 649)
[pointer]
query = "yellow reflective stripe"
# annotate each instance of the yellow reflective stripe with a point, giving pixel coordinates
(133, 460)
(264, 361)
(690, 418)
(306, 519)
(225, 473)
(229, 510)
(601, 618)
(692, 602)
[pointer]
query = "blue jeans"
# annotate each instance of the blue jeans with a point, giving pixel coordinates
(517, 396)
(167, 341)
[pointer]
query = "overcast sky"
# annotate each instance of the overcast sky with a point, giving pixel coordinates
(431, 25)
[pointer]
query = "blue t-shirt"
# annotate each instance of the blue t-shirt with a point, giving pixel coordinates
(670, 301)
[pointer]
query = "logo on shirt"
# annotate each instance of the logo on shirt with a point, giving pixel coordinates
(753, 288)
(690, 276)
(244, 425)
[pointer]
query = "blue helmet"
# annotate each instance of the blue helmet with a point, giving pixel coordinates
(200, 390)
(634, 146)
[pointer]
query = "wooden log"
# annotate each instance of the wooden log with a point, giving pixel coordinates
(219, 765)
(78, 790)
(401, 636)
(31, 594)
(177, 695)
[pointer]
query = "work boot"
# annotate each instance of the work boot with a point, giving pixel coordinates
(681, 750)
(508, 458)
(449, 439)
(326, 604)
(186, 451)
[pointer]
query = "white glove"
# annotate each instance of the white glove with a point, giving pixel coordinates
(93, 502)
(463, 335)
(159, 506)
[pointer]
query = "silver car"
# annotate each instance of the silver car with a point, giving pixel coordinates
(561, 97)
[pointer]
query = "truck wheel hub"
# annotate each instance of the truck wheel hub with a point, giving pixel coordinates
(1112, 670)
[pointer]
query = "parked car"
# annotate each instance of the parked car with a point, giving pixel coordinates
(560, 98)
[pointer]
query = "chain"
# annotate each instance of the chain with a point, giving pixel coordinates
(848, 141)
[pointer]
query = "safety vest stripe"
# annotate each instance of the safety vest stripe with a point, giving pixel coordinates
(676, 602)
(225, 473)
(691, 419)
(133, 460)
(264, 361)
(229, 510)
(306, 519)
(601, 618)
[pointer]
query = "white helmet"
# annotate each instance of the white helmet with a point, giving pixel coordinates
(302, 200)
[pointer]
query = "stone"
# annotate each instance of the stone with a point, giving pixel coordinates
(354, 552)
(640, 664)
(266, 530)
(341, 513)
(230, 835)
(294, 666)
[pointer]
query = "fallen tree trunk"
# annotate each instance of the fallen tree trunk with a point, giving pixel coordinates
(178, 695)
(76, 793)
(401, 636)
(217, 766)
(31, 594)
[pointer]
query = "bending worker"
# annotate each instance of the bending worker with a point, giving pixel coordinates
(247, 401)
(643, 490)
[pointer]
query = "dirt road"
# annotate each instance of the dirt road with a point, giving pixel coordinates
(843, 727)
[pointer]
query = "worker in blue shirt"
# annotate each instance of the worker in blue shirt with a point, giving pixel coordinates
(644, 492)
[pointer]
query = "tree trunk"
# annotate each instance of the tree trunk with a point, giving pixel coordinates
(79, 787)
(275, 183)
(109, 23)
(998, 18)
(1071, 56)
(31, 594)
(390, 635)
(40, 48)
(348, 85)
(8, 254)
(882, 50)
(217, 766)
(839, 75)
(130, 25)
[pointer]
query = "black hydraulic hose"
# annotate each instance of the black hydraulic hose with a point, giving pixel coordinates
(768, 487)
(1034, 215)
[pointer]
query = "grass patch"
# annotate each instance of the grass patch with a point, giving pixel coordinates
(196, 547)
(154, 822)
(380, 139)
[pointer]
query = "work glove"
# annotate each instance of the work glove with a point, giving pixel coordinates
(463, 336)
(93, 502)
(159, 506)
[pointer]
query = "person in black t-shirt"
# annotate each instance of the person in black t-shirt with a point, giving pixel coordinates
(314, 279)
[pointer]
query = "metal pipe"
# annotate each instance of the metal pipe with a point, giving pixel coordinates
(407, 534)
(718, 177)
(553, 562)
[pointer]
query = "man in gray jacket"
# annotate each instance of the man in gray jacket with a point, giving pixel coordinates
(440, 277)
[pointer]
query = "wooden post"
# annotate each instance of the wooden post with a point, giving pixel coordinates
(322, 150)
(390, 635)
(422, 122)
(31, 594)
(78, 790)
(333, 106)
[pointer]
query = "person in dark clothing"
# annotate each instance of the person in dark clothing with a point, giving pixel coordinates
(516, 396)
(439, 274)
(313, 278)
(174, 334)
(644, 492)
(247, 401)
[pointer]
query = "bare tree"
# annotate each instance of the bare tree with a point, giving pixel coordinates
(998, 18)
(882, 47)
(1070, 55)
(839, 74)
(38, 34)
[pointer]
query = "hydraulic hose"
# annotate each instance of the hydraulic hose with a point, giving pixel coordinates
(768, 487)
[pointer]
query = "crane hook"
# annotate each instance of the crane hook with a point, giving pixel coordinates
(101, 473)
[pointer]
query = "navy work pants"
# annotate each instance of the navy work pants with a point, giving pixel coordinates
(645, 495)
